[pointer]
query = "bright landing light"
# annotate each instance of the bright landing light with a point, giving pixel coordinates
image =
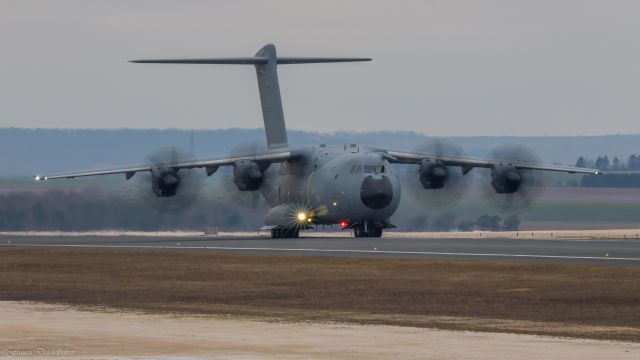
(301, 216)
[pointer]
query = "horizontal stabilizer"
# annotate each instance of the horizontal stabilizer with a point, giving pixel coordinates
(256, 60)
(266, 62)
(314, 60)
(235, 60)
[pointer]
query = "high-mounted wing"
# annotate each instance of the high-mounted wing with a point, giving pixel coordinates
(469, 163)
(211, 165)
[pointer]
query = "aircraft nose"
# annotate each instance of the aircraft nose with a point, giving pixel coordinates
(376, 193)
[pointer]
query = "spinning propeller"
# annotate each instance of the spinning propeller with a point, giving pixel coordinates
(246, 184)
(510, 189)
(437, 185)
(167, 190)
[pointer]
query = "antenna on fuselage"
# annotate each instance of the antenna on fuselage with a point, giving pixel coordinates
(265, 62)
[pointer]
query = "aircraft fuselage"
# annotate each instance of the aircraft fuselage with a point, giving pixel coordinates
(333, 185)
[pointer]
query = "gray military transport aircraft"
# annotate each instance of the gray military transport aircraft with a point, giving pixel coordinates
(349, 185)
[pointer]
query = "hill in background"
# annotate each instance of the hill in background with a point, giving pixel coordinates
(31, 151)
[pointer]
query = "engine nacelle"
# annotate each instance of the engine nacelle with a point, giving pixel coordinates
(505, 179)
(247, 175)
(164, 181)
(432, 174)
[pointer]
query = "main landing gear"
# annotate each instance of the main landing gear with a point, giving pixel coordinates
(284, 233)
(368, 229)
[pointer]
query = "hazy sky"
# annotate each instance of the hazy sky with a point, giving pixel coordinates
(446, 67)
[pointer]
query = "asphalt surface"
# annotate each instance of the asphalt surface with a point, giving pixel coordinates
(574, 251)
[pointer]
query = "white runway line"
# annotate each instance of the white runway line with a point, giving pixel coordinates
(348, 251)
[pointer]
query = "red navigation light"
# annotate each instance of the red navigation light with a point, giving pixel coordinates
(344, 224)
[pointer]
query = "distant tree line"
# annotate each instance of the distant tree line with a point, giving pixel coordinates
(95, 209)
(603, 163)
(624, 179)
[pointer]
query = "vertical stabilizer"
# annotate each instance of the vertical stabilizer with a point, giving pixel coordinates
(266, 63)
(270, 99)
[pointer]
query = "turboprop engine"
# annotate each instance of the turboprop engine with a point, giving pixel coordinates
(432, 174)
(505, 179)
(164, 181)
(248, 175)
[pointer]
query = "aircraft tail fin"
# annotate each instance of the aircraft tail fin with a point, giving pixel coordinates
(265, 62)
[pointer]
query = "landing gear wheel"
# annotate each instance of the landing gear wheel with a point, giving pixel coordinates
(291, 233)
(375, 232)
(370, 230)
(282, 233)
(358, 231)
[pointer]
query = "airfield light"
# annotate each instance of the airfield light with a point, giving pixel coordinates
(335, 203)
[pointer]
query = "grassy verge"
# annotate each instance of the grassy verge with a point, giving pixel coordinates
(579, 301)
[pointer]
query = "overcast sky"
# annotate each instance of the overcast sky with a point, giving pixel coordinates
(449, 67)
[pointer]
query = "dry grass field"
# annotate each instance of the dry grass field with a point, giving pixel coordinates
(577, 301)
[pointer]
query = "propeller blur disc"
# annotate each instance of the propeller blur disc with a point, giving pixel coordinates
(190, 183)
(531, 183)
(455, 184)
(250, 200)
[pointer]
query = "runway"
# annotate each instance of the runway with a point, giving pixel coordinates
(575, 251)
